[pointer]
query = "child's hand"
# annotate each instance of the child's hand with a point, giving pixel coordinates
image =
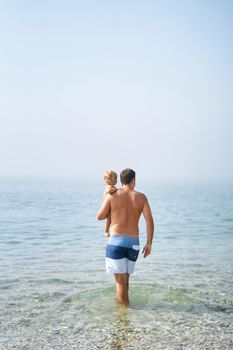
(112, 190)
(107, 234)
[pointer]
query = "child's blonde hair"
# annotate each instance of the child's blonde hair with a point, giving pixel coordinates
(110, 177)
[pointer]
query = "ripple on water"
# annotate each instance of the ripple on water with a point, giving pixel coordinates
(14, 242)
(152, 298)
(56, 281)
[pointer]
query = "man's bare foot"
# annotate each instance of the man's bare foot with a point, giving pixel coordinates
(107, 234)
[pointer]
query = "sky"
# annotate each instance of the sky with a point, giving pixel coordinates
(87, 86)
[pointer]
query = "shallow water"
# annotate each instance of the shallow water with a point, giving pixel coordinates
(54, 290)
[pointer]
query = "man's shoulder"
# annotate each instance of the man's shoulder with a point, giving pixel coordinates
(140, 195)
(111, 189)
(112, 193)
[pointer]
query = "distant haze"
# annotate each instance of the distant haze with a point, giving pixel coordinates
(92, 85)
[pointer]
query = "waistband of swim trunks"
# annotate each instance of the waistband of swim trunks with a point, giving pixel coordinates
(123, 240)
(122, 235)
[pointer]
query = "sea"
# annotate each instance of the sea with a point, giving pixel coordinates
(55, 293)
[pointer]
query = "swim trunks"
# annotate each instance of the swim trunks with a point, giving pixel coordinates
(121, 253)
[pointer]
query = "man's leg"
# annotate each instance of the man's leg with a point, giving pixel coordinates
(127, 283)
(122, 287)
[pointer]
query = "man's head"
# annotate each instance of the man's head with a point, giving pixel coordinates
(127, 176)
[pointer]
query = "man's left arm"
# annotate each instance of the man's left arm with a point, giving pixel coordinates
(105, 208)
(149, 228)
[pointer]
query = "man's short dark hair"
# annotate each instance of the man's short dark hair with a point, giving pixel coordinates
(127, 175)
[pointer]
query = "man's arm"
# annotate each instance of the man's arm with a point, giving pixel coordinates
(149, 228)
(107, 225)
(105, 208)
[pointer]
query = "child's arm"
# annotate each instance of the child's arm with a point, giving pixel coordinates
(112, 189)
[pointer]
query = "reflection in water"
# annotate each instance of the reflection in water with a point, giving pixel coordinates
(121, 331)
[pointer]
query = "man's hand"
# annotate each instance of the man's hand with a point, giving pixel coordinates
(147, 250)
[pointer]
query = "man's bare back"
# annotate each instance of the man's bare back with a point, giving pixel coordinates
(126, 208)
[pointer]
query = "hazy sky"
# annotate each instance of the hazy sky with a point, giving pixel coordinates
(90, 85)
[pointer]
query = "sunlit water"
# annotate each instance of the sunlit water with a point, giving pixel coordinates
(55, 293)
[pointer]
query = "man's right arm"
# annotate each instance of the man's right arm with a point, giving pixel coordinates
(149, 227)
(105, 208)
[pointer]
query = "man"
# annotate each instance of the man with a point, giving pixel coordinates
(125, 207)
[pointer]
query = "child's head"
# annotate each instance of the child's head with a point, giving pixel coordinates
(110, 177)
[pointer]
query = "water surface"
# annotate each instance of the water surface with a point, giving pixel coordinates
(55, 293)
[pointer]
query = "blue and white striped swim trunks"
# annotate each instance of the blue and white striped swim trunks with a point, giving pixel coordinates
(121, 253)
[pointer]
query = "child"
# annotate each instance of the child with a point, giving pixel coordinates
(110, 178)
